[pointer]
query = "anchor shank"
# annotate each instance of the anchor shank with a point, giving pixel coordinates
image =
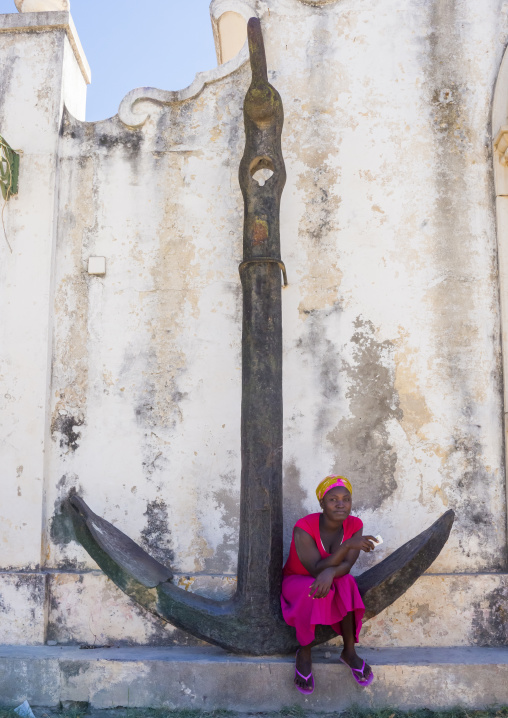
(260, 551)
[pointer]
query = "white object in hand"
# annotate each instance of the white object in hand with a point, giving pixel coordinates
(379, 539)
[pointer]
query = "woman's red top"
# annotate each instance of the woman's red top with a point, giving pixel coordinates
(310, 524)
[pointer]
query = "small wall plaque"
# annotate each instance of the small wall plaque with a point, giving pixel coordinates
(97, 266)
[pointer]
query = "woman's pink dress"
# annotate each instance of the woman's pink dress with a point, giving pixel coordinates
(302, 611)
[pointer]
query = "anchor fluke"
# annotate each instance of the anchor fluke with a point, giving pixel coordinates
(229, 624)
(382, 584)
(120, 548)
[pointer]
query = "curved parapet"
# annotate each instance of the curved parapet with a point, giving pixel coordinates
(134, 109)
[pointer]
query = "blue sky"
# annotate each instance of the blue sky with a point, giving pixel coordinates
(128, 43)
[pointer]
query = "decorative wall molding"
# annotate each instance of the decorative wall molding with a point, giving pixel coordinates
(134, 109)
(219, 7)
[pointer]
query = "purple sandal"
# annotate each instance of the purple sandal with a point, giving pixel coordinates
(363, 683)
(305, 691)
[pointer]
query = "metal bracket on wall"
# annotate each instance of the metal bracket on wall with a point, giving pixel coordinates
(258, 260)
(9, 170)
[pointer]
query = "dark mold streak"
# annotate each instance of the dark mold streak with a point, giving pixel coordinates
(227, 501)
(65, 425)
(490, 619)
(362, 446)
(156, 536)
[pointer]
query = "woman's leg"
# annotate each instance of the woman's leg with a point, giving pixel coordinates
(349, 654)
(304, 666)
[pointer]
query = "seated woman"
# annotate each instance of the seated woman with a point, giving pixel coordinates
(317, 587)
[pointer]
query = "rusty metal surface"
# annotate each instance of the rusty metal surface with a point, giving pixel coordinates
(260, 546)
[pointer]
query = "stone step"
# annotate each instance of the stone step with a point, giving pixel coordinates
(208, 678)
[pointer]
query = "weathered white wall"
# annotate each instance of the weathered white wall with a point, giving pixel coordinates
(392, 366)
(32, 97)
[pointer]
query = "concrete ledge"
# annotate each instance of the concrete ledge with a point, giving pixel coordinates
(209, 678)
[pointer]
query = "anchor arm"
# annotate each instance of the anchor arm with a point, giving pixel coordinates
(228, 624)
(382, 584)
(130, 558)
(385, 582)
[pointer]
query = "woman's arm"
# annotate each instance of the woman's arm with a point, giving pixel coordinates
(338, 564)
(353, 552)
(309, 555)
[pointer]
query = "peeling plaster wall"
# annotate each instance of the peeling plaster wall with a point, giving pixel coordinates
(392, 365)
(146, 373)
(34, 86)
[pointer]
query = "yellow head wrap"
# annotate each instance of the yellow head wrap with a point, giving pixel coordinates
(330, 482)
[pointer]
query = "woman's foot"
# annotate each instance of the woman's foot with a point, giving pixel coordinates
(353, 660)
(303, 673)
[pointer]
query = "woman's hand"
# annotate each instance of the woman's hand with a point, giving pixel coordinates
(361, 543)
(322, 583)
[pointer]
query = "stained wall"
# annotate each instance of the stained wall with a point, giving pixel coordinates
(392, 349)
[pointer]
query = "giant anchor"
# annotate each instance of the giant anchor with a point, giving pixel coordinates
(251, 621)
